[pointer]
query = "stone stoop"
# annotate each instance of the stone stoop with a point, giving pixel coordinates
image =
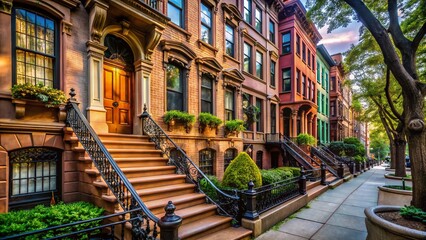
(157, 183)
(314, 189)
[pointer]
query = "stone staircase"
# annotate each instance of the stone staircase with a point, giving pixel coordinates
(157, 183)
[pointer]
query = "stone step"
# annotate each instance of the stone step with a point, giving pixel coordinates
(123, 137)
(150, 181)
(230, 233)
(156, 193)
(132, 172)
(133, 153)
(195, 213)
(138, 162)
(204, 227)
(337, 182)
(180, 201)
(119, 144)
(310, 185)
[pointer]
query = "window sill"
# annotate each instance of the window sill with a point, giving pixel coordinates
(208, 46)
(176, 27)
(274, 87)
(285, 54)
(253, 76)
(227, 57)
(285, 92)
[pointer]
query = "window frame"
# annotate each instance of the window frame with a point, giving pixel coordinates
(286, 44)
(297, 44)
(202, 24)
(226, 158)
(272, 73)
(213, 161)
(248, 10)
(258, 23)
(298, 81)
(211, 90)
(250, 50)
(259, 64)
(259, 123)
(56, 49)
(183, 82)
(303, 85)
(227, 40)
(271, 31)
(303, 52)
(273, 114)
(232, 111)
(284, 80)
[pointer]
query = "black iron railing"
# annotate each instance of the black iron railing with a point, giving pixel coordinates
(227, 203)
(332, 166)
(144, 222)
(105, 227)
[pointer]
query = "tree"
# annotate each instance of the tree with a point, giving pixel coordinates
(399, 51)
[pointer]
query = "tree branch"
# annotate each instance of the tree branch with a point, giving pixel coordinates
(388, 126)
(388, 97)
(419, 36)
(394, 27)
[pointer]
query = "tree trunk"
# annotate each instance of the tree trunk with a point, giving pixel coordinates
(393, 153)
(400, 157)
(417, 149)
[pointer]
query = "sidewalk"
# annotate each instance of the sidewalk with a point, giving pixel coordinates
(337, 213)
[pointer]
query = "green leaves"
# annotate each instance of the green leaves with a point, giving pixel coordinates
(234, 125)
(240, 171)
(306, 139)
(207, 119)
(49, 96)
(413, 213)
(183, 117)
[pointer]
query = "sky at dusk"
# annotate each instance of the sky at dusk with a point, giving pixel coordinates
(339, 40)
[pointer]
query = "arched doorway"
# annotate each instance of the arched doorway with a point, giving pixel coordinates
(118, 81)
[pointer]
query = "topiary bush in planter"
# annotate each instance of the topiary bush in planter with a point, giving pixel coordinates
(306, 139)
(185, 118)
(240, 171)
(234, 126)
(208, 119)
(51, 97)
(41, 217)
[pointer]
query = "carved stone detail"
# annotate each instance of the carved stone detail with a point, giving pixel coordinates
(67, 27)
(152, 41)
(98, 15)
(6, 6)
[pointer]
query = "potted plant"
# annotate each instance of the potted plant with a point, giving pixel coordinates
(305, 141)
(395, 195)
(28, 93)
(395, 222)
(251, 113)
(234, 126)
(185, 118)
(207, 119)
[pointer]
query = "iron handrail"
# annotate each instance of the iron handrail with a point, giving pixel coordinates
(113, 176)
(185, 165)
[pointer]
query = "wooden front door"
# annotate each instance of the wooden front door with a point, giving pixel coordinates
(117, 97)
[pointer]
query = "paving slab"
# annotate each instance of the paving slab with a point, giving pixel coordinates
(348, 221)
(364, 204)
(331, 199)
(314, 215)
(329, 232)
(324, 206)
(275, 235)
(351, 210)
(300, 227)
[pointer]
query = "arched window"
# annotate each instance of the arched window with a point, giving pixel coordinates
(259, 159)
(34, 176)
(35, 49)
(229, 155)
(207, 159)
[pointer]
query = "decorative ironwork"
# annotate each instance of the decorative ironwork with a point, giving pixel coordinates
(142, 218)
(112, 229)
(331, 165)
(227, 203)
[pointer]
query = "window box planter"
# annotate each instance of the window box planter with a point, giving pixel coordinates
(36, 110)
(174, 116)
(382, 229)
(234, 127)
(208, 120)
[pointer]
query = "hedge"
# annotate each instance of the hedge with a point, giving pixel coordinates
(240, 171)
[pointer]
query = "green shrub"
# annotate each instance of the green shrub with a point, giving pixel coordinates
(41, 217)
(413, 213)
(306, 139)
(49, 96)
(270, 176)
(234, 125)
(408, 188)
(294, 170)
(208, 189)
(240, 171)
(207, 119)
(183, 117)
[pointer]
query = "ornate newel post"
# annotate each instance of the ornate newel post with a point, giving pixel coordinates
(169, 223)
(340, 170)
(323, 174)
(302, 181)
(144, 116)
(251, 212)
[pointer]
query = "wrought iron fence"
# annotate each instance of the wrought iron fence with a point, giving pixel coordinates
(144, 222)
(227, 203)
(105, 227)
(313, 174)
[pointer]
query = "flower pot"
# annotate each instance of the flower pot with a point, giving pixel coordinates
(171, 125)
(381, 229)
(390, 196)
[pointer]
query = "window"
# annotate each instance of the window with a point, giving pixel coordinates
(259, 65)
(259, 123)
(272, 31)
(259, 159)
(286, 43)
(297, 44)
(332, 84)
(35, 49)
(175, 12)
(229, 40)
(312, 91)
(247, 58)
(298, 80)
(229, 104)
(206, 94)
(286, 84)
(206, 24)
(273, 118)
(313, 63)
(175, 88)
(229, 155)
(309, 58)
(304, 52)
(319, 101)
(258, 19)
(326, 82)
(308, 92)
(34, 175)
(333, 108)
(272, 73)
(247, 11)
(207, 158)
(319, 73)
(247, 101)
(303, 84)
